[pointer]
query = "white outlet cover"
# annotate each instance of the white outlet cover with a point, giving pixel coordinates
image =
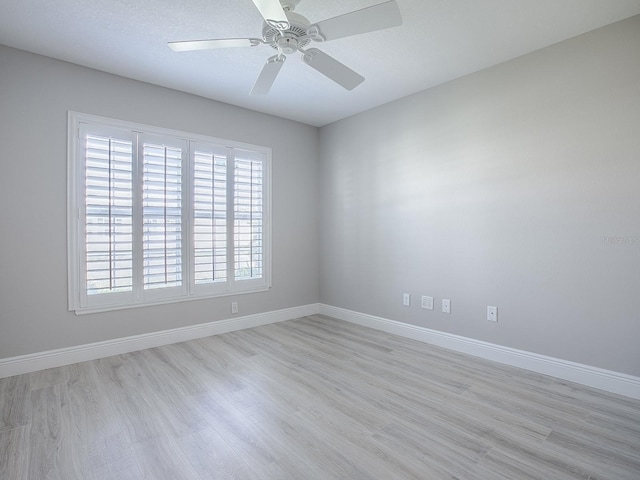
(446, 305)
(492, 313)
(406, 299)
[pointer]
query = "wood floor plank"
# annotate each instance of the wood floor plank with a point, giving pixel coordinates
(242, 435)
(523, 465)
(315, 399)
(45, 436)
(14, 461)
(133, 410)
(160, 458)
(48, 377)
(605, 459)
(212, 457)
(118, 459)
(14, 401)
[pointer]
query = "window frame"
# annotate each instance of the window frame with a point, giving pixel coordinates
(78, 300)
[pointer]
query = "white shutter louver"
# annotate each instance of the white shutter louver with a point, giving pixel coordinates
(108, 215)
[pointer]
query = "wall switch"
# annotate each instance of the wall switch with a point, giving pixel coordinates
(492, 313)
(427, 302)
(446, 305)
(406, 299)
(234, 307)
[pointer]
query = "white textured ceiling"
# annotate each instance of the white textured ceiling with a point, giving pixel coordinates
(438, 41)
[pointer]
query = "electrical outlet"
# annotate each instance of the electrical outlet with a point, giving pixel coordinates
(446, 305)
(492, 313)
(427, 302)
(234, 307)
(406, 299)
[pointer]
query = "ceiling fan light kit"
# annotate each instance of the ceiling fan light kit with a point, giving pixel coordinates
(289, 32)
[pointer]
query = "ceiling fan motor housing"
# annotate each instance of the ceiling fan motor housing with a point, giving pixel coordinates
(290, 40)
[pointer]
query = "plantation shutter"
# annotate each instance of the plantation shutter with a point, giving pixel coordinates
(162, 213)
(108, 212)
(248, 216)
(158, 216)
(209, 214)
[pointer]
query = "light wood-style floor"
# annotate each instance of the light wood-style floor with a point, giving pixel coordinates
(313, 398)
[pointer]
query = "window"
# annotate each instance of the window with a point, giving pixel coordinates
(159, 216)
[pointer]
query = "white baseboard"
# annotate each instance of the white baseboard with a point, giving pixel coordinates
(66, 356)
(607, 380)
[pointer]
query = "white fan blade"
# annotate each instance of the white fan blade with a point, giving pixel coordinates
(268, 75)
(332, 68)
(273, 13)
(211, 44)
(376, 17)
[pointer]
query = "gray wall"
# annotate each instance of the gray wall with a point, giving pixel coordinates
(35, 95)
(518, 186)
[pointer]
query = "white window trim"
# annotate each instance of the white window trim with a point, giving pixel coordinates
(75, 186)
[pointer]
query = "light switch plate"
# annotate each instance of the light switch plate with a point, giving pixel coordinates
(427, 302)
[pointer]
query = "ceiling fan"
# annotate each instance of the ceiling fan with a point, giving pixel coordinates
(289, 32)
